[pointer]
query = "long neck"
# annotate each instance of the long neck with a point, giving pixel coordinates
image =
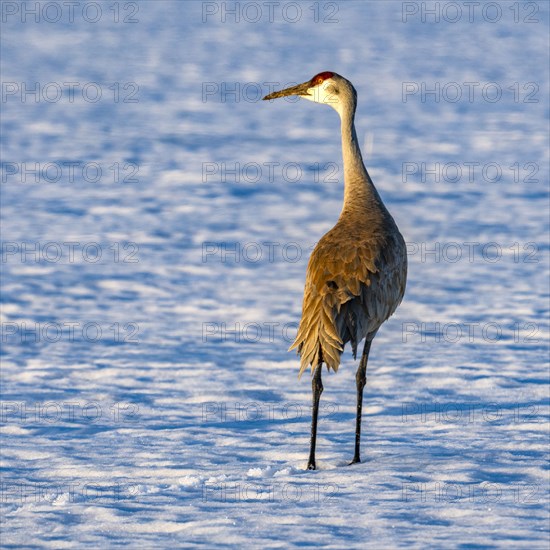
(359, 191)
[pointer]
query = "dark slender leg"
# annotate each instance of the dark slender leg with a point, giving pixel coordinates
(317, 390)
(361, 380)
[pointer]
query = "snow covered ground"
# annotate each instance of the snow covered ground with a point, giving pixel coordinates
(157, 218)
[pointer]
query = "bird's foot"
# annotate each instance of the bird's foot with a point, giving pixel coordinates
(356, 460)
(311, 466)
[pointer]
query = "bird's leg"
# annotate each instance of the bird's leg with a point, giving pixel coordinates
(317, 390)
(361, 380)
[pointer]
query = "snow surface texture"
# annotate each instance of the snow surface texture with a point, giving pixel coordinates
(148, 397)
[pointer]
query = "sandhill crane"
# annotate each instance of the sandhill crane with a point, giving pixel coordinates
(356, 274)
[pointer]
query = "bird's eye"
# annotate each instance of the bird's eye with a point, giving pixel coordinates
(321, 77)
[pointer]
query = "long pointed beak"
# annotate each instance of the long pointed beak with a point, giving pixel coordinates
(300, 89)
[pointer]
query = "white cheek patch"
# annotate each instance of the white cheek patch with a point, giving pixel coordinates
(324, 93)
(330, 97)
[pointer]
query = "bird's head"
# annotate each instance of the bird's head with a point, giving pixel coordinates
(327, 87)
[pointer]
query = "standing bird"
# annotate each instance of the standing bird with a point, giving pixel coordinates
(356, 274)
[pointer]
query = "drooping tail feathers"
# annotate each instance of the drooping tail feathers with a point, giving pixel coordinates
(318, 339)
